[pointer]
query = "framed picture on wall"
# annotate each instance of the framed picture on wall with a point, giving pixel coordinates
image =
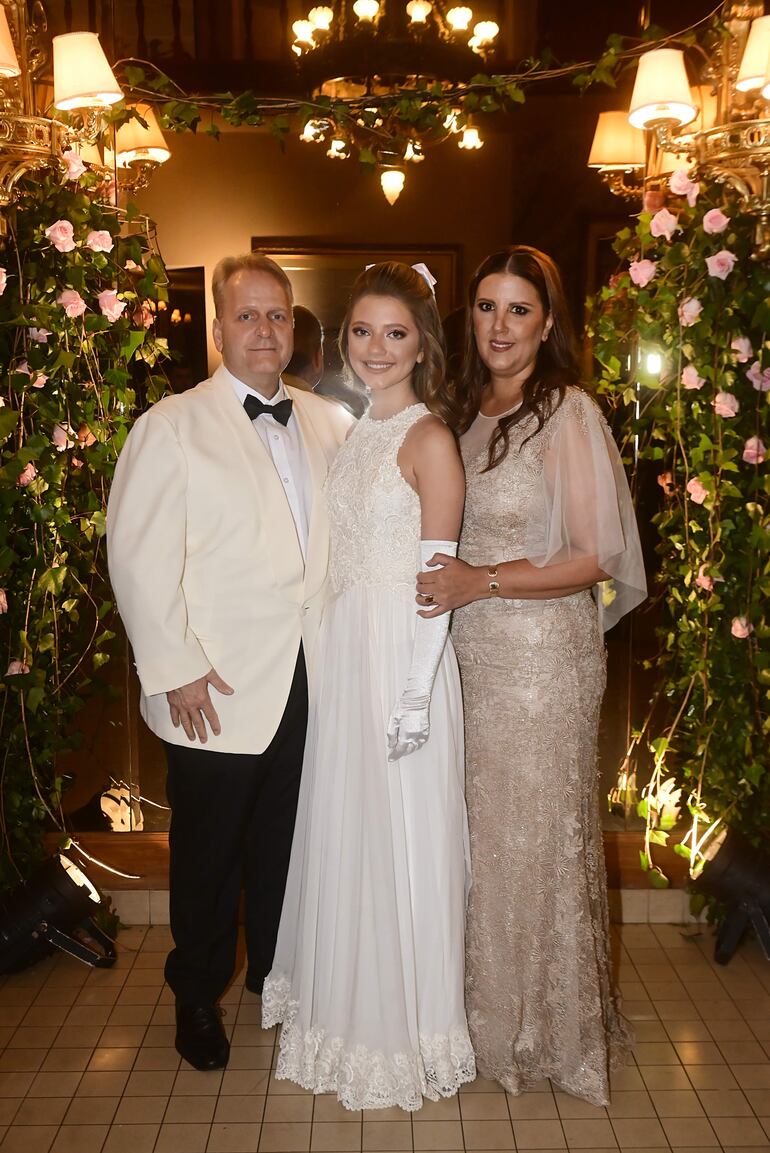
(322, 274)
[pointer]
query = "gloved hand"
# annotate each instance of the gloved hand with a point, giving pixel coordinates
(409, 725)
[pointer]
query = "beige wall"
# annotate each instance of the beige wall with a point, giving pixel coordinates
(213, 196)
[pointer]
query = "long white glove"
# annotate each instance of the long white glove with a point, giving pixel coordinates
(409, 725)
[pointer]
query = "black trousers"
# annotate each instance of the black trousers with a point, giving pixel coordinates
(232, 820)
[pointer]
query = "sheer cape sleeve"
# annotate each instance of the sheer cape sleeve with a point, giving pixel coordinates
(588, 507)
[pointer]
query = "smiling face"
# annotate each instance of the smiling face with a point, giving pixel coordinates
(510, 324)
(254, 332)
(383, 343)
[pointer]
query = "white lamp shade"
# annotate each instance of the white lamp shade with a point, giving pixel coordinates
(661, 92)
(82, 78)
(9, 63)
(616, 145)
(753, 68)
(135, 142)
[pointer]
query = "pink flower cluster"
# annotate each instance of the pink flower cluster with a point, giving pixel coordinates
(28, 474)
(741, 628)
(741, 346)
(689, 311)
(703, 580)
(664, 223)
(62, 235)
(75, 166)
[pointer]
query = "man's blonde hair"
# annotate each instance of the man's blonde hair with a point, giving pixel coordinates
(249, 262)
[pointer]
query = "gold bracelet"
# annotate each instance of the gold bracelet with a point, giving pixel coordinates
(494, 584)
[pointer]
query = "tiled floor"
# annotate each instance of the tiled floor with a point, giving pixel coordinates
(88, 1066)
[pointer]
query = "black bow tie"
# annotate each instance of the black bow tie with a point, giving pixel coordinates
(255, 408)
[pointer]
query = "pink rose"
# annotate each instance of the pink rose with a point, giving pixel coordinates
(28, 474)
(61, 437)
(741, 628)
(697, 491)
(725, 404)
(3, 280)
(642, 272)
(689, 311)
(16, 668)
(111, 307)
(715, 222)
(62, 235)
(38, 380)
(132, 266)
(690, 378)
(760, 379)
(142, 314)
(679, 182)
(703, 580)
(39, 334)
(75, 166)
(3, 601)
(72, 302)
(100, 241)
(754, 451)
(741, 346)
(722, 264)
(666, 482)
(664, 223)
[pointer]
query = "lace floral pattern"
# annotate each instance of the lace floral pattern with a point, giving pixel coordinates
(540, 999)
(362, 1078)
(367, 535)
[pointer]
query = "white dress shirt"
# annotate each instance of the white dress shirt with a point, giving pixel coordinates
(287, 452)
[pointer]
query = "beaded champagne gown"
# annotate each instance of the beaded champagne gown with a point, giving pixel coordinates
(368, 971)
(540, 999)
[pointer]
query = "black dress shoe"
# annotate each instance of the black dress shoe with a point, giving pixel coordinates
(200, 1038)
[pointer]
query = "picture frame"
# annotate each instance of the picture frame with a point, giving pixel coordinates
(323, 272)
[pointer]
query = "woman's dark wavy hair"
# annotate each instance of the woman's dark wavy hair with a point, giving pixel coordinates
(556, 365)
(402, 282)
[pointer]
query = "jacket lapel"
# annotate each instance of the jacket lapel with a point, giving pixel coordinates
(285, 554)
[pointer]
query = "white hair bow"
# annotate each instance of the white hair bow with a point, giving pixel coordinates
(424, 272)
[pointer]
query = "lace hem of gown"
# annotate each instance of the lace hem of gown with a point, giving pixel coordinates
(364, 1078)
(585, 1083)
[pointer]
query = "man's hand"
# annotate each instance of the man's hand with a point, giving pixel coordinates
(191, 706)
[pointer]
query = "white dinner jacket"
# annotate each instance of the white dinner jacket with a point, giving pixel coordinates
(205, 561)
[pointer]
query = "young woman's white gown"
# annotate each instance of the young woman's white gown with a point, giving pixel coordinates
(368, 971)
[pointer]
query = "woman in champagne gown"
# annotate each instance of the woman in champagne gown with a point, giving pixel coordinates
(548, 517)
(368, 971)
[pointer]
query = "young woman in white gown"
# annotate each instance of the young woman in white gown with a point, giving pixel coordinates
(368, 971)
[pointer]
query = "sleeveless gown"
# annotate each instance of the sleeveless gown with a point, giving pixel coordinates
(369, 965)
(540, 998)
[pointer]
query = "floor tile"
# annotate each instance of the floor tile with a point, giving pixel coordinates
(42, 1111)
(637, 1133)
(182, 1138)
(574, 1107)
(481, 1105)
(192, 1110)
(688, 1131)
(631, 1103)
(585, 1133)
(387, 1135)
(326, 1107)
(711, 1077)
(234, 1139)
(449, 1134)
(481, 1134)
(339, 1136)
(677, 1103)
(539, 1134)
(29, 1139)
(530, 1107)
(289, 1107)
(80, 1139)
(278, 1137)
(91, 1110)
(746, 1131)
(138, 1110)
(726, 1103)
(131, 1139)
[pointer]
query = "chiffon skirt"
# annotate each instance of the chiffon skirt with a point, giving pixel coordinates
(369, 968)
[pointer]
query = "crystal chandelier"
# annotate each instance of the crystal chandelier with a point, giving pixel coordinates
(379, 48)
(719, 127)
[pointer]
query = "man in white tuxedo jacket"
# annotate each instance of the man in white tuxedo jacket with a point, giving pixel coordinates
(218, 549)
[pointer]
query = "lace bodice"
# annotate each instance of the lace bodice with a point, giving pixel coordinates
(374, 514)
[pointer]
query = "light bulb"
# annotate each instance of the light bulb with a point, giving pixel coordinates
(470, 139)
(366, 10)
(486, 31)
(312, 130)
(654, 363)
(392, 181)
(414, 152)
(450, 123)
(459, 19)
(418, 11)
(338, 149)
(321, 18)
(303, 30)
(474, 44)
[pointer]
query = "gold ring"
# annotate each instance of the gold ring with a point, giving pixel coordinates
(428, 598)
